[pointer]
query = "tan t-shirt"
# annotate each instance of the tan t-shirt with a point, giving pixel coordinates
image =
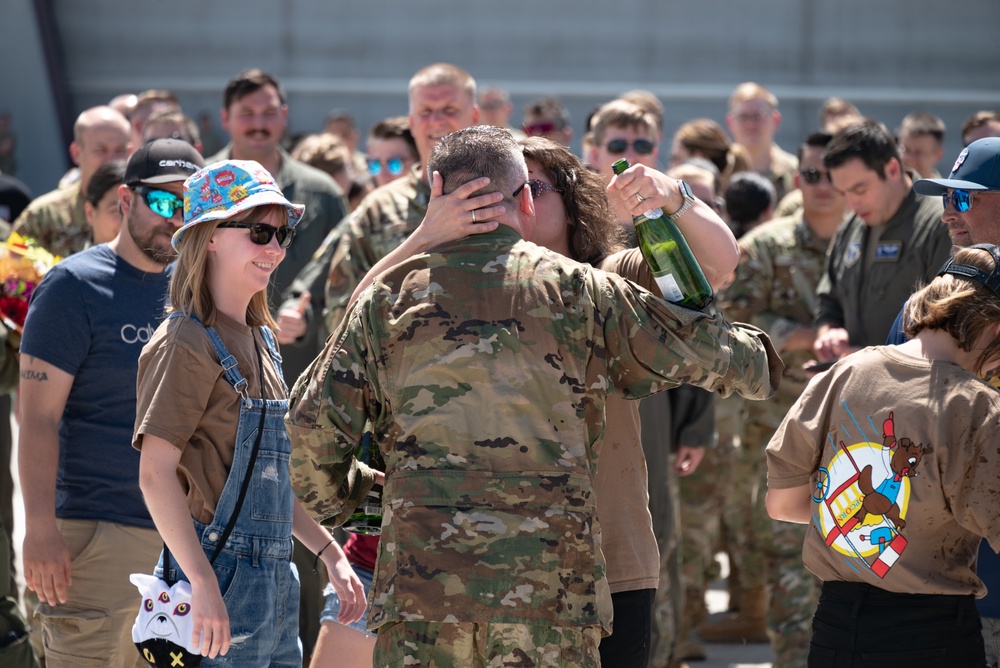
(183, 398)
(622, 482)
(902, 456)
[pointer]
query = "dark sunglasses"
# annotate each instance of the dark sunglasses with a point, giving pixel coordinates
(393, 165)
(539, 129)
(536, 188)
(620, 146)
(812, 176)
(960, 199)
(160, 202)
(261, 233)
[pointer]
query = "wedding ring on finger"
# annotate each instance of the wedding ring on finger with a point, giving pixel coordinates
(473, 216)
(639, 197)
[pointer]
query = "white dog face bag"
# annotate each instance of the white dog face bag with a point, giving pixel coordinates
(162, 630)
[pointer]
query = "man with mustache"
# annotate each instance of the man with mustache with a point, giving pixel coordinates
(255, 114)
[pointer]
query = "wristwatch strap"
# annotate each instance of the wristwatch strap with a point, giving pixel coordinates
(688, 200)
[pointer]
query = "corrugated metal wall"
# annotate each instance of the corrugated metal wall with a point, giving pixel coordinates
(888, 56)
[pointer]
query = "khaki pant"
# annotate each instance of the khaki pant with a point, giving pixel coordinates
(94, 627)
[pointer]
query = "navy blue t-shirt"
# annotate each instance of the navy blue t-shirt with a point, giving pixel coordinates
(988, 565)
(90, 317)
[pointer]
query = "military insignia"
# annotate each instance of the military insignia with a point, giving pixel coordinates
(959, 160)
(852, 254)
(888, 251)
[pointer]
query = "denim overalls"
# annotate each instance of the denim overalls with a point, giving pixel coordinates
(259, 584)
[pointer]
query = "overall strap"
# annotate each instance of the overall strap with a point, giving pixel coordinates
(230, 366)
(272, 349)
(253, 461)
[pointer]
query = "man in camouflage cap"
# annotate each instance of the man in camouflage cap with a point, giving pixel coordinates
(484, 366)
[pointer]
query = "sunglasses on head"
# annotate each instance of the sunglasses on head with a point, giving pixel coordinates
(160, 202)
(261, 233)
(960, 199)
(538, 129)
(536, 188)
(620, 146)
(393, 165)
(812, 176)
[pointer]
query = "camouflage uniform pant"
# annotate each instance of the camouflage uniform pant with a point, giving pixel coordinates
(746, 521)
(769, 554)
(462, 645)
(702, 499)
(794, 596)
(668, 602)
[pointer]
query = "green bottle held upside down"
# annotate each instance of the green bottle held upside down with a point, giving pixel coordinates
(669, 257)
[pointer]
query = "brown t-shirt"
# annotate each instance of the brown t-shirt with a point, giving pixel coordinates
(902, 456)
(183, 398)
(622, 482)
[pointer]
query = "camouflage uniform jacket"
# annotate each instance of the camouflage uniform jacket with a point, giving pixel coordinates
(380, 223)
(784, 167)
(484, 366)
(781, 263)
(866, 281)
(57, 221)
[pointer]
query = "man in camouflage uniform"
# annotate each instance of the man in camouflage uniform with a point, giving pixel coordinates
(56, 219)
(484, 366)
(781, 263)
(442, 100)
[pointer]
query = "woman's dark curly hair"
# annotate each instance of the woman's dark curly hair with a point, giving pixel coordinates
(594, 231)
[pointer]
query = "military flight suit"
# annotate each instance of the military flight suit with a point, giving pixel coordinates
(871, 271)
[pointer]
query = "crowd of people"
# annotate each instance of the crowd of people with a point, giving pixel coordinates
(565, 452)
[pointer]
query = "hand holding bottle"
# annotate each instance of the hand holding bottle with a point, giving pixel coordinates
(644, 188)
(666, 251)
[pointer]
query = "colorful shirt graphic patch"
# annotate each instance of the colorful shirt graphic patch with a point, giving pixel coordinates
(863, 494)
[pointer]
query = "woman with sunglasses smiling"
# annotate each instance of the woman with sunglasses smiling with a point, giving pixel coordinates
(209, 422)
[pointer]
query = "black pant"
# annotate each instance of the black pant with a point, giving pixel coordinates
(859, 625)
(628, 646)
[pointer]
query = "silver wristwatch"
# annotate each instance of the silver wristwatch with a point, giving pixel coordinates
(688, 201)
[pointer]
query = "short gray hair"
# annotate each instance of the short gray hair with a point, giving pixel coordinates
(481, 150)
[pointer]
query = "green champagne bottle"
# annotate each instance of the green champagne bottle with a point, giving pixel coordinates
(669, 257)
(367, 517)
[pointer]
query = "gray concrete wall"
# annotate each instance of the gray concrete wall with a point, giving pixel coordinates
(888, 56)
(41, 154)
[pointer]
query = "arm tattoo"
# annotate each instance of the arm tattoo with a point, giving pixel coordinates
(28, 374)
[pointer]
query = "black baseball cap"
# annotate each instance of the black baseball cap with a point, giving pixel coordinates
(162, 161)
(976, 168)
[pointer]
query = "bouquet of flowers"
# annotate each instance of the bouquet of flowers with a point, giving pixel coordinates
(23, 263)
